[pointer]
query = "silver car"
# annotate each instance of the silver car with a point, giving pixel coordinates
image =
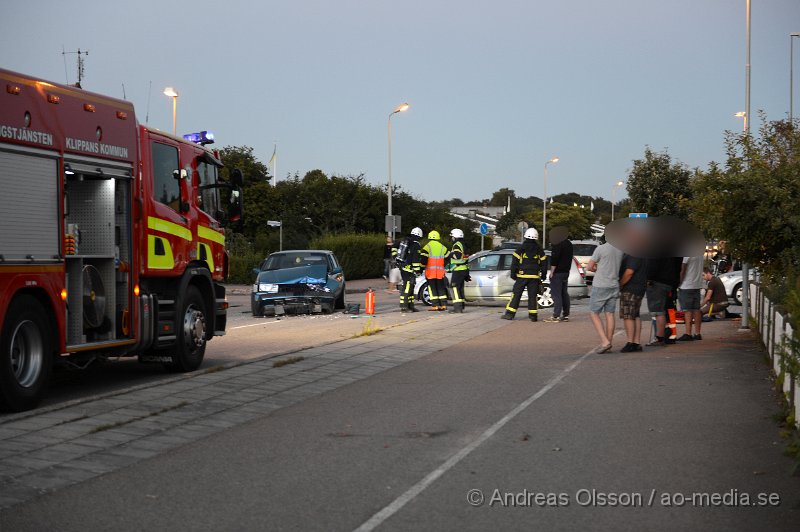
(491, 281)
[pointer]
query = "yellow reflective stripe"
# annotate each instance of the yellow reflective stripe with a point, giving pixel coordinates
(207, 233)
(209, 257)
(164, 226)
(159, 262)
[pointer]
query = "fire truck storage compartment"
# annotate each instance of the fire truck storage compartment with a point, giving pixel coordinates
(28, 206)
(97, 210)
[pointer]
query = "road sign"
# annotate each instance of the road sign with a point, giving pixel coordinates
(484, 229)
(637, 215)
(273, 223)
(393, 225)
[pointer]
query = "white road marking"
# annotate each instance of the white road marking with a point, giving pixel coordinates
(393, 507)
(253, 325)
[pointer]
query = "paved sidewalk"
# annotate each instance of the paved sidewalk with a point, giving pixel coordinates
(43, 452)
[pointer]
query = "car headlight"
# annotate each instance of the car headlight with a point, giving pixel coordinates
(267, 287)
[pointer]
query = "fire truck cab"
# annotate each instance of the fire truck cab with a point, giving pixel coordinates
(113, 240)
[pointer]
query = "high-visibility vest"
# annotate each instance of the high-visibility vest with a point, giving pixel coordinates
(435, 252)
(458, 259)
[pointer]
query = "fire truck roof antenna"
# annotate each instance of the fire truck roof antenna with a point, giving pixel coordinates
(80, 64)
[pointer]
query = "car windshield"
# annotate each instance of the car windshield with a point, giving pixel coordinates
(583, 250)
(279, 261)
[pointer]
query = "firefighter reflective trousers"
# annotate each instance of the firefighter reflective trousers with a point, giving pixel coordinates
(437, 289)
(457, 283)
(407, 290)
(533, 296)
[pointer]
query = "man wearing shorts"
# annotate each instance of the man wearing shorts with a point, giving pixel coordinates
(662, 277)
(605, 262)
(632, 287)
(689, 296)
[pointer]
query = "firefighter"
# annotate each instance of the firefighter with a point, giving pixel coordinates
(458, 265)
(433, 254)
(526, 270)
(408, 260)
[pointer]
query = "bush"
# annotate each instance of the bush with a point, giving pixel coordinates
(361, 255)
(243, 258)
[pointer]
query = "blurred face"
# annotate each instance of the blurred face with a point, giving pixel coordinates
(388, 240)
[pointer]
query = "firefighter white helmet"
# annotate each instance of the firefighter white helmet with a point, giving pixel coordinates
(456, 233)
(532, 234)
(417, 232)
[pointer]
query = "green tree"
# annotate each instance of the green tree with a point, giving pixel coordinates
(576, 219)
(659, 186)
(242, 157)
(500, 198)
(752, 202)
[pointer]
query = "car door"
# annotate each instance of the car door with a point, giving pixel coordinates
(484, 271)
(505, 284)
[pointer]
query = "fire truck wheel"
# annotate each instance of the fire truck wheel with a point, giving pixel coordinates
(25, 355)
(190, 346)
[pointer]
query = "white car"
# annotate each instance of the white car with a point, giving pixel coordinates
(583, 251)
(491, 281)
(732, 281)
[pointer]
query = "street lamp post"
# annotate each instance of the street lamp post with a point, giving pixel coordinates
(544, 211)
(172, 93)
(400, 108)
(613, 197)
(745, 325)
(791, 75)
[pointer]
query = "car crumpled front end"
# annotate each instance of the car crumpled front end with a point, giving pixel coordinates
(298, 290)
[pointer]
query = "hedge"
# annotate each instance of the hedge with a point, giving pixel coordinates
(361, 255)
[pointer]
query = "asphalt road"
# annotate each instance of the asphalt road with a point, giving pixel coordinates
(516, 429)
(246, 338)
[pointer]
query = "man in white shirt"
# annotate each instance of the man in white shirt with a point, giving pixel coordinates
(605, 262)
(689, 296)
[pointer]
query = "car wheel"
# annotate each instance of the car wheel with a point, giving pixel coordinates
(340, 303)
(25, 355)
(545, 298)
(737, 293)
(425, 295)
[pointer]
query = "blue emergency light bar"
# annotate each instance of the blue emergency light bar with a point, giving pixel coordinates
(202, 138)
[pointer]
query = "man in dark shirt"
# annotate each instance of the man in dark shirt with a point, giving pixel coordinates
(663, 278)
(715, 300)
(560, 265)
(632, 284)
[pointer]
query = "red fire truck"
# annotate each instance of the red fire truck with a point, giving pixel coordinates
(111, 237)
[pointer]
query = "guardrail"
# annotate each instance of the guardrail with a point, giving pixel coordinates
(781, 343)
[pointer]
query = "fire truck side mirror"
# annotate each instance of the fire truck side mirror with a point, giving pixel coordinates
(237, 179)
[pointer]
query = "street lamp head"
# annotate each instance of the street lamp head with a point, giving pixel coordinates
(794, 34)
(740, 114)
(620, 183)
(169, 91)
(554, 160)
(401, 108)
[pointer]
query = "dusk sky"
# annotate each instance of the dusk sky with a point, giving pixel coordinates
(496, 88)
